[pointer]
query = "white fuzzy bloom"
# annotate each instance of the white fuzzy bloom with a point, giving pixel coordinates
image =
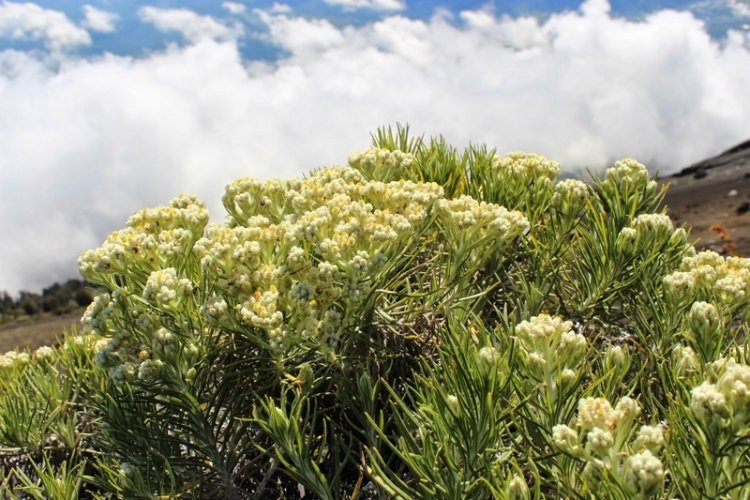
(626, 239)
(654, 224)
(595, 412)
(572, 342)
(488, 356)
(568, 376)
(644, 473)
(526, 166)
(44, 352)
(517, 488)
(650, 437)
(628, 171)
(149, 369)
(570, 191)
(302, 292)
(600, 440)
(704, 319)
(684, 360)
(215, 308)
(164, 287)
(120, 374)
(452, 401)
(327, 270)
(706, 402)
(679, 283)
(536, 361)
(627, 409)
(565, 438)
(615, 357)
(543, 328)
(735, 385)
(377, 158)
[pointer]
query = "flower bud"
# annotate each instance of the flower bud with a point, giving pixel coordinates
(453, 402)
(517, 488)
(488, 358)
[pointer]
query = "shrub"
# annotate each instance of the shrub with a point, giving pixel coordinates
(420, 324)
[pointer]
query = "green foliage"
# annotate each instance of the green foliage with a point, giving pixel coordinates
(424, 323)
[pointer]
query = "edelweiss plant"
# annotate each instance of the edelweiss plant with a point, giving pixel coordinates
(422, 323)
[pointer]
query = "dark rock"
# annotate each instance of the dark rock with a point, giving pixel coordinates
(744, 208)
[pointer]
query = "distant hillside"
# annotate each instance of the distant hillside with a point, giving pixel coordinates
(712, 196)
(737, 156)
(58, 298)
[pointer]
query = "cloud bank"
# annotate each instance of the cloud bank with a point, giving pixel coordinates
(85, 142)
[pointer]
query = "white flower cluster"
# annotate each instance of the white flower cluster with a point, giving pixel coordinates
(726, 403)
(152, 238)
(708, 276)
(381, 162)
(651, 231)
(570, 195)
(549, 345)
(489, 219)
(292, 248)
(705, 329)
(654, 224)
(604, 440)
(289, 256)
(44, 353)
(14, 359)
(526, 166)
(631, 172)
(98, 312)
(164, 287)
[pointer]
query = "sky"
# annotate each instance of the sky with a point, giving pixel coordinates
(110, 106)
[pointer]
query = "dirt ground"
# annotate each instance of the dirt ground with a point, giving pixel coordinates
(34, 333)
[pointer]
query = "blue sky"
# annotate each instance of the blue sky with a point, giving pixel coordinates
(134, 37)
(110, 106)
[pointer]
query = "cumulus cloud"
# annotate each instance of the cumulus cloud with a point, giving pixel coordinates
(385, 5)
(87, 143)
(740, 8)
(190, 25)
(28, 21)
(234, 7)
(98, 19)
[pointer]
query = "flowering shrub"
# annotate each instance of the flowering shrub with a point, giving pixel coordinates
(421, 323)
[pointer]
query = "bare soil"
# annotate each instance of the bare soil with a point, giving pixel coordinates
(31, 333)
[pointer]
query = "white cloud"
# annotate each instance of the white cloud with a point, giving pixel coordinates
(28, 21)
(384, 5)
(300, 35)
(740, 8)
(234, 7)
(279, 8)
(99, 20)
(190, 25)
(86, 144)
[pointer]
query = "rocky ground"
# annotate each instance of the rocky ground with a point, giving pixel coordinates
(712, 197)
